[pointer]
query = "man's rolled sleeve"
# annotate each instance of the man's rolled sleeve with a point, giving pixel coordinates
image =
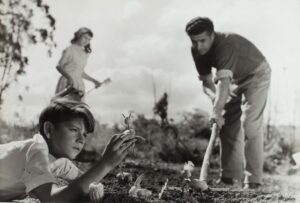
(226, 62)
(224, 73)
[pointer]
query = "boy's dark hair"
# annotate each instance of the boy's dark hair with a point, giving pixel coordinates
(199, 25)
(64, 109)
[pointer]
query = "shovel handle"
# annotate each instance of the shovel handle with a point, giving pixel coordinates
(106, 81)
(208, 152)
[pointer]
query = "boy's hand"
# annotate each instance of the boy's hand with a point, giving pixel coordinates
(117, 149)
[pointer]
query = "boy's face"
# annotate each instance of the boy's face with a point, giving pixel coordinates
(68, 138)
(202, 42)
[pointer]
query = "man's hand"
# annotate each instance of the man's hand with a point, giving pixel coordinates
(208, 86)
(222, 94)
(210, 94)
(218, 119)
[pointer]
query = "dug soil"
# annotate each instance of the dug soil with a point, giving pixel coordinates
(276, 188)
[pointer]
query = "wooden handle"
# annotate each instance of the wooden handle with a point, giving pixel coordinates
(208, 152)
(106, 81)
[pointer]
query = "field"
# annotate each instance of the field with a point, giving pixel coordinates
(276, 188)
(160, 159)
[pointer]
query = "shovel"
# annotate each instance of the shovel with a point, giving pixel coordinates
(201, 183)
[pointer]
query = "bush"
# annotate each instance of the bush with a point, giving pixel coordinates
(10, 133)
(277, 147)
(183, 141)
(190, 144)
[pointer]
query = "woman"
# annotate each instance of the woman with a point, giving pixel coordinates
(72, 63)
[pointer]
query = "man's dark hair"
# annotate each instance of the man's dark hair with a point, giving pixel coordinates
(199, 25)
(62, 110)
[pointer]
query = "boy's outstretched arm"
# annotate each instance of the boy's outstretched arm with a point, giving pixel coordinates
(115, 151)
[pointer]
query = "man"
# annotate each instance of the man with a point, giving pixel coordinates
(242, 78)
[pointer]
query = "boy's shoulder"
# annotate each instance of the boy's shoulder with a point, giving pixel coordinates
(38, 143)
(34, 144)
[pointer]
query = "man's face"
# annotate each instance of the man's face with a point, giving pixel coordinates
(202, 42)
(68, 138)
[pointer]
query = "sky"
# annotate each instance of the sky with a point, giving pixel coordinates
(140, 44)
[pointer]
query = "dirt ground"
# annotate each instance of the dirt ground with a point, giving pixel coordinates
(276, 188)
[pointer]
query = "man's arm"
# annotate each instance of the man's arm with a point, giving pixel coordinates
(209, 87)
(222, 94)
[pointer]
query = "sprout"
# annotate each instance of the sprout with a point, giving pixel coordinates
(96, 191)
(128, 123)
(137, 191)
(188, 168)
(199, 185)
(124, 177)
(129, 130)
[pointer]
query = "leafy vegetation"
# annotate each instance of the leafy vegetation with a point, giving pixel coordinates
(18, 29)
(190, 144)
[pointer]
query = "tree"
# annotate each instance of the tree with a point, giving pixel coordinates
(22, 23)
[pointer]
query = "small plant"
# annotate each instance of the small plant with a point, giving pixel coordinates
(96, 191)
(188, 168)
(129, 132)
(137, 191)
(128, 121)
(124, 177)
(129, 128)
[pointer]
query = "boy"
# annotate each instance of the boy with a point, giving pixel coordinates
(25, 166)
(239, 62)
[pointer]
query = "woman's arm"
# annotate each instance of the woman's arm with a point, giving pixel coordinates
(91, 79)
